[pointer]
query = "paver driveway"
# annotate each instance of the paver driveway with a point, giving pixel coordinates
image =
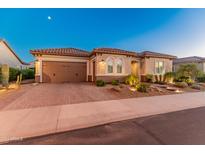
(30, 96)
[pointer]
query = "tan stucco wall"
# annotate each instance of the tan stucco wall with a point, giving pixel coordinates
(200, 66)
(7, 57)
(145, 66)
(148, 65)
(101, 65)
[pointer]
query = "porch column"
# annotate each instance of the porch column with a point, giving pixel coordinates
(40, 70)
(139, 70)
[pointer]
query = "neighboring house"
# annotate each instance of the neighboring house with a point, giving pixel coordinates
(75, 65)
(8, 56)
(198, 61)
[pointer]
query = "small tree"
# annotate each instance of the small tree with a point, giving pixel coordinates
(5, 75)
(188, 70)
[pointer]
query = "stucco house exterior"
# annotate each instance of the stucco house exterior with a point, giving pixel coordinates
(198, 61)
(8, 56)
(76, 65)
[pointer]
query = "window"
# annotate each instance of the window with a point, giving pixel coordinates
(159, 67)
(119, 66)
(110, 65)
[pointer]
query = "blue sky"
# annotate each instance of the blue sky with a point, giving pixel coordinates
(180, 32)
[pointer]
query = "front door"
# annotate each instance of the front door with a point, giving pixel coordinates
(134, 68)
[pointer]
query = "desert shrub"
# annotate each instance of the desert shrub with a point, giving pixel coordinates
(13, 73)
(201, 78)
(181, 79)
(100, 83)
(169, 77)
(181, 84)
(190, 82)
(196, 86)
(149, 78)
(132, 80)
(186, 79)
(115, 82)
(27, 74)
(142, 87)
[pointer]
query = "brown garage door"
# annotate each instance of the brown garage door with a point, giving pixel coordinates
(57, 72)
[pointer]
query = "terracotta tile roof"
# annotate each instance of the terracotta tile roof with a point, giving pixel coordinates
(83, 53)
(61, 52)
(156, 55)
(12, 51)
(193, 59)
(114, 51)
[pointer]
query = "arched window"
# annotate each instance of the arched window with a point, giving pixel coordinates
(110, 65)
(119, 65)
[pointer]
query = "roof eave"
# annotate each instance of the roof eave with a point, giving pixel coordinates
(22, 62)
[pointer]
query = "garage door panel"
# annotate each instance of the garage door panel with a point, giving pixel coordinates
(64, 72)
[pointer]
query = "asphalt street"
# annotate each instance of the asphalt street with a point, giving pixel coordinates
(182, 127)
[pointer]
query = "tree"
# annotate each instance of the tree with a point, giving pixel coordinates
(188, 70)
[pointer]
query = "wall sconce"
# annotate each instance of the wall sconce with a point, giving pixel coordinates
(102, 61)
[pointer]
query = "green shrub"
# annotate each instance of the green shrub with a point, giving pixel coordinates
(186, 79)
(100, 83)
(201, 78)
(13, 73)
(115, 82)
(27, 74)
(132, 80)
(142, 87)
(196, 86)
(149, 78)
(181, 84)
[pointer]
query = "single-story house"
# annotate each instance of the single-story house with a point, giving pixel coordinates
(198, 61)
(8, 56)
(76, 65)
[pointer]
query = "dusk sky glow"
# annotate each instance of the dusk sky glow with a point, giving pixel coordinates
(179, 32)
